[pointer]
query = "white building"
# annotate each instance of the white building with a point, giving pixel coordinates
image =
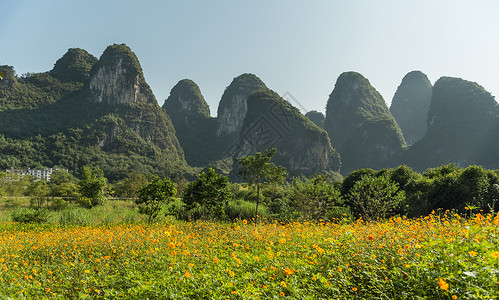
(39, 174)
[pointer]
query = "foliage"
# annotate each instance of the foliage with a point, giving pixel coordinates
(210, 192)
(437, 257)
(30, 215)
(153, 196)
(375, 197)
(38, 190)
(92, 186)
(314, 198)
(360, 125)
(258, 169)
(129, 186)
(410, 105)
(316, 117)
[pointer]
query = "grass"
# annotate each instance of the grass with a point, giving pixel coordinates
(435, 257)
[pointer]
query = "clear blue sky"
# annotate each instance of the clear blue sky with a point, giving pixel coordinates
(300, 47)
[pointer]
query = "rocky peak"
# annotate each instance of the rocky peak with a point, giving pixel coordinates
(316, 117)
(463, 123)
(75, 65)
(272, 122)
(117, 78)
(186, 104)
(410, 105)
(232, 107)
(360, 124)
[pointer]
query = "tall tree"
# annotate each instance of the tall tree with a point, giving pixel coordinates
(258, 169)
(92, 186)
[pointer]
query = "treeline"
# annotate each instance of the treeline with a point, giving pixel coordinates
(363, 193)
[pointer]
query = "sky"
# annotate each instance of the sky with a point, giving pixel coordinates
(297, 48)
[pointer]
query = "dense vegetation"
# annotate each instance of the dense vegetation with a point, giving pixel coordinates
(47, 120)
(338, 237)
(360, 125)
(436, 257)
(410, 105)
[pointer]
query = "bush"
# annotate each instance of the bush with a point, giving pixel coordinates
(208, 195)
(29, 215)
(375, 197)
(153, 196)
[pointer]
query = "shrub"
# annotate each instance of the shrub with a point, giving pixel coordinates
(153, 196)
(375, 197)
(208, 194)
(29, 215)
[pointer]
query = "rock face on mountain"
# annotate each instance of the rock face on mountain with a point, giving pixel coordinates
(75, 65)
(70, 117)
(232, 107)
(360, 125)
(410, 105)
(463, 125)
(195, 129)
(316, 117)
(186, 105)
(272, 122)
(117, 78)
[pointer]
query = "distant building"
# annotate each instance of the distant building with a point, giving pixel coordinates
(44, 173)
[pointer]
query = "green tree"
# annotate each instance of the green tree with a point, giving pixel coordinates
(63, 184)
(210, 192)
(314, 197)
(38, 191)
(92, 187)
(472, 187)
(375, 197)
(153, 196)
(258, 169)
(129, 187)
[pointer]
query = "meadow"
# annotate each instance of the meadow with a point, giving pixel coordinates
(441, 256)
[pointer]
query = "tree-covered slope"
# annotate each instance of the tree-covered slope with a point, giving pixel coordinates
(195, 128)
(70, 117)
(233, 105)
(272, 122)
(463, 125)
(410, 105)
(360, 125)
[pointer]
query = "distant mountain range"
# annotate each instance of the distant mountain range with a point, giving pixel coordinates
(102, 113)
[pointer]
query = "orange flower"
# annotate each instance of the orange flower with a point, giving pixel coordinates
(288, 271)
(354, 289)
(443, 285)
(187, 274)
(472, 253)
(245, 222)
(495, 254)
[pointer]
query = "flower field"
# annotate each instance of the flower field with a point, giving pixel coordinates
(436, 257)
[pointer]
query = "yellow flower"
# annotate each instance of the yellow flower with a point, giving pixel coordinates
(442, 284)
(454, 297)
(354, 289)
(245, 222)
(288, 271)
(495, 254)
(283, 284)
(472, 253)
(187, 274)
